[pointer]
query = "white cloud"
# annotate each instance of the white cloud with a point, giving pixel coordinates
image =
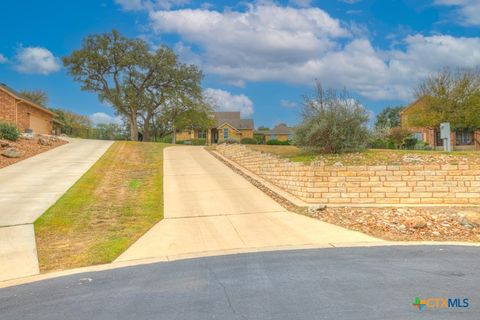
(137, 5)
(467, 10)
(3, 59)
(36, 60)
(298, 45)
(301, 3)
(222, 100)
(288, 104)
(103, 118)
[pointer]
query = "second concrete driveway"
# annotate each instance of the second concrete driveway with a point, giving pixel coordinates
(27, 189)
(210, 209)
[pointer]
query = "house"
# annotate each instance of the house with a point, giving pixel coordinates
(280, 132)
(25, 114)
(461, 140)
(227, 125)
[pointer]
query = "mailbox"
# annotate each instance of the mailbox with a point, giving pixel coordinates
(445, 130)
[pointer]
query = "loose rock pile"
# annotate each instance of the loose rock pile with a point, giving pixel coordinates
(439, 223)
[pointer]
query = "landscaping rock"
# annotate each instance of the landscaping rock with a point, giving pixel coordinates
(338, 164)
(316, 208)
(436, 234)
(415, 222)
(12, 153)
(44, 141)
(470, 218)
(28, 136)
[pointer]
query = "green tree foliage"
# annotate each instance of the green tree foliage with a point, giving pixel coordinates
(449, 97)
(333, 122)
(110, 131)
(39, 97)
(388, 118)
(133, 78)
(398, 136)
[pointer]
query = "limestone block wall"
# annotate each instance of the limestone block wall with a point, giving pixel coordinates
(396, 184)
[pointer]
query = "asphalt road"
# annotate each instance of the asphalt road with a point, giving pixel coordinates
(339, 283)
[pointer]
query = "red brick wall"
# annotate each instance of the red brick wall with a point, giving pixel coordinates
(7, 107)
(22, 120)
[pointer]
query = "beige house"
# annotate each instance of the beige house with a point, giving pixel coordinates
(280, 132)
(25, 114)
(461, 140)
(228, 125)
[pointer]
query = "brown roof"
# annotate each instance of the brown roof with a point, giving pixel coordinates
(281, 128)
(18, 96)
(233, 119)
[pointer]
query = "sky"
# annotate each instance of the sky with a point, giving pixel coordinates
(258, 57)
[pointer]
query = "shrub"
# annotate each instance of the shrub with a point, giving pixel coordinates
(230, 141)
(248, 141)
(9, 131)
(399, 136)
(180, 142)
(274, 142)
(333, 122)
(198, 142)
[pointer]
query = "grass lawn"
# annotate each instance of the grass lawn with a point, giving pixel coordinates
(106, 210)
(372, 156)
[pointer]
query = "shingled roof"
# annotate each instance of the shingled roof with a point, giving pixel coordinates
(233, 119)
(19, 96)
(281, 128)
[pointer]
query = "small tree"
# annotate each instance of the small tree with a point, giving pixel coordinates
(388, 118)
(39, 97)
(449, 97)
(333, 122)
(398, 136)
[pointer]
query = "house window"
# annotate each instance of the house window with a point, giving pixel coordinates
(202, 134)
(418, 136)
(463, 138)
(225, 133)
(273, 136)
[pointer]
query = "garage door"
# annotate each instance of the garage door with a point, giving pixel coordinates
(39, 125)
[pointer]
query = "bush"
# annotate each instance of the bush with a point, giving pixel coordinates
(248, 141)
(180, 142)
(399, 137)
(198, 142)
(9, 131)
(333, 122)
(278, 142)
(230, 141)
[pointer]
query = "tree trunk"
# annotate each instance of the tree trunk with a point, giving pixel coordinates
(174, 135)
(146, 126)
(133, 127)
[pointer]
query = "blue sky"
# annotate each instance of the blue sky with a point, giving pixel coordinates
(259, 57)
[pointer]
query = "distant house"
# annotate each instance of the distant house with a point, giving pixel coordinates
(280, 132)
(227, 125)
(461, 140)
(25, 114)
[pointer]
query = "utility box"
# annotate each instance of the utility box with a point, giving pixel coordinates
(445, 136)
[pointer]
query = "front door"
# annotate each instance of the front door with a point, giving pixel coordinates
(214, 136)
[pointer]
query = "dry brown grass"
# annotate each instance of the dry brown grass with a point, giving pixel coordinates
(111, 206)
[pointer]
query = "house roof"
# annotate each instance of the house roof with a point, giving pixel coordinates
(413, 104)
(18, 96)
(233, 119)
(281, 128)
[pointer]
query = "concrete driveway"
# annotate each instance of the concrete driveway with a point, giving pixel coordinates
(27, 189)
(209, 209)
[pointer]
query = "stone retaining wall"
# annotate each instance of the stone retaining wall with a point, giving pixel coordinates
(395, 184)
